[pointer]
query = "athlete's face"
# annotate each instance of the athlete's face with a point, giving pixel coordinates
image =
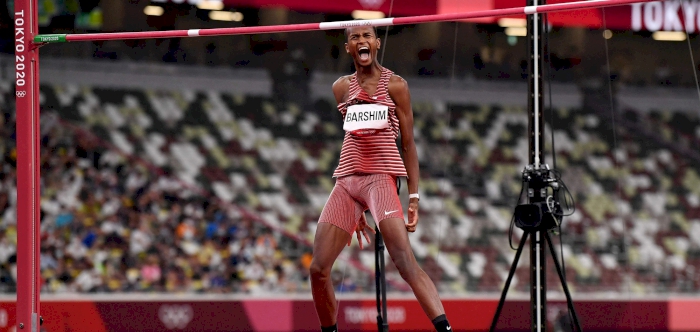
(362, 45)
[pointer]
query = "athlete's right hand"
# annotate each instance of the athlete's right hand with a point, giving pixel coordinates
(361, 230)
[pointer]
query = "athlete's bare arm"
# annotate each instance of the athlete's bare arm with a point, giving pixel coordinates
(398, 90)
(340, 88)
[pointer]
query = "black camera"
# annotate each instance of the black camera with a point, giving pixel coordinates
(542, 213)
(535, 216)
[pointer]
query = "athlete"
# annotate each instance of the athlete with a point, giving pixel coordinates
(376, 108)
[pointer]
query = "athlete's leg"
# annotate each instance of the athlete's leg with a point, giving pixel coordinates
(328, 243)
(336, 225)
(384, 203)
(397, 243)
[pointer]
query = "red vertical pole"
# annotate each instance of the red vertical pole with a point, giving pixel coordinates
(36, 143)
(28, 150)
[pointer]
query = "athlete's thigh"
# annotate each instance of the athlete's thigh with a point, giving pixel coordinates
(341, 209)
(396, 238)
(385, 205)
(336, 225)
(382, 199)
(329, 241)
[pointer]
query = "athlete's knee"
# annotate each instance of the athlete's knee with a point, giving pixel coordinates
(319, 271)
(407, 266)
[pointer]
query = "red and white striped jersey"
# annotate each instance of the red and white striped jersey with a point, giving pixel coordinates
(376, 153)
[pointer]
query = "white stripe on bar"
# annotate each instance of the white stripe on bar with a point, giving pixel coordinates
(348, 24)
(530, 9)
(193, 32)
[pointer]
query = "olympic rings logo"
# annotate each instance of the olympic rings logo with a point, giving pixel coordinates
(175, 316)
(21, 93)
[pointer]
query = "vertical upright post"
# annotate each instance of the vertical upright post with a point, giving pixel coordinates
(538, 280)
(28, 150)
(380, 282)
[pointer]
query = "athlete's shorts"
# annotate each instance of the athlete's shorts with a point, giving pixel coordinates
(353, 194)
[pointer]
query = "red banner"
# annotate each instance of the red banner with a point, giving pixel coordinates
(401, 8)
(649, 16)
(281, 315)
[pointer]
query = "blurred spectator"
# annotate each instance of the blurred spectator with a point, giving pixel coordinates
(100, 234)
(291, 74)
(663, 74)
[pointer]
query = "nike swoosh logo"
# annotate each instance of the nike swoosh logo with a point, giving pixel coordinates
(386, 213)
(449, 328)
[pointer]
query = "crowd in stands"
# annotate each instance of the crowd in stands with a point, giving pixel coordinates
(110, 224)
(189, 191)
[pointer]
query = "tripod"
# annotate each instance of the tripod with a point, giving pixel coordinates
(536, 219)
(538, 237)
(540, 215)
(380, 282)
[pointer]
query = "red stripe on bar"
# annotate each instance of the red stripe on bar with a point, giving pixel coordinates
(202, 32)
(515, 11)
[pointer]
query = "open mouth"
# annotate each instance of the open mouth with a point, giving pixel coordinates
(364, 53)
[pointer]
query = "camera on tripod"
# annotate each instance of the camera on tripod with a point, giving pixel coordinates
(543, 210)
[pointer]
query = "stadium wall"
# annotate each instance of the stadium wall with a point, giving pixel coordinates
(145, 312)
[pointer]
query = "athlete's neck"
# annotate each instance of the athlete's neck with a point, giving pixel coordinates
(363, 73)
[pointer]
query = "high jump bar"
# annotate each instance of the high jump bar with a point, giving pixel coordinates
(527, 10)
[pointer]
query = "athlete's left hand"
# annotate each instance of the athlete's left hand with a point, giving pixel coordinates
(412, 215)
(361, 230)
